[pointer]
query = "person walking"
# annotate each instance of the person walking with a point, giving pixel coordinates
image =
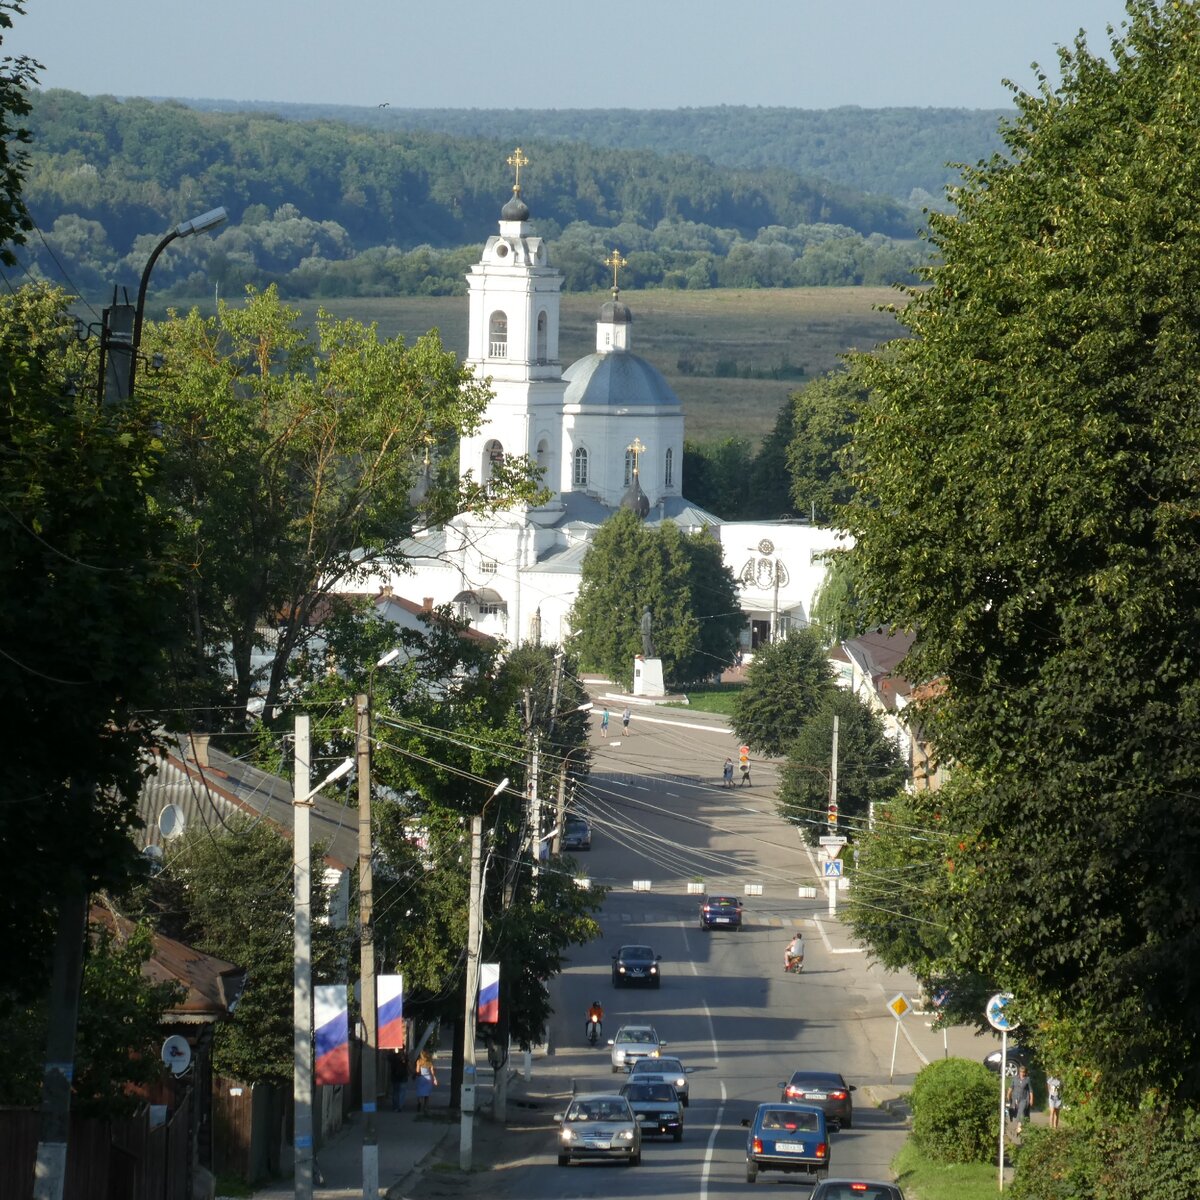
(426, 1080)
(1020, 1098)
(727, 774)
(1054, 1098)
(745, 775)
(625, 720)
(604, 722)
(398, 1077)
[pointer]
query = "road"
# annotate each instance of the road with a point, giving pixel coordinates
(661, 819)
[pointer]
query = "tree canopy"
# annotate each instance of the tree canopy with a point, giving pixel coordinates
(1026, 503)
(681, 578)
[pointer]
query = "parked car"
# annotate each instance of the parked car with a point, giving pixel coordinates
(656, 1106)
(663, 1070)
(599, 1125)
(786, 1137)
(1018, 1056)
(855, 1189)
(634, 1042)
(636, 964)
(576, 834)
(721, 911)
(826, 1089)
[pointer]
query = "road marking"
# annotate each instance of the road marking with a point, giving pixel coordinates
(832, 948)
(712, 1137)
(724, 731)
(675, 794)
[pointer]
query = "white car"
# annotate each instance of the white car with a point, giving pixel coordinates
(663, 1070)
(599, 1125)
(633, 1043)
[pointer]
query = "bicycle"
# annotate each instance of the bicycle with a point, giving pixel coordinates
(593, 1031)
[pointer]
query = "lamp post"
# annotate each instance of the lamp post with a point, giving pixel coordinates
(121, 329)
(302, 1046)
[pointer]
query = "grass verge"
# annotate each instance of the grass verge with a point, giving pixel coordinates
(717, 698)
(923, 1179)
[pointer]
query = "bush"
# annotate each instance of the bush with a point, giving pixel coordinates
(956, 1105)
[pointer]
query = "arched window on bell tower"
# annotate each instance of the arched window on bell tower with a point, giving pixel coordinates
(543, 333)
(580, 477)
(498, 335)
(669, 469)
(493, 457)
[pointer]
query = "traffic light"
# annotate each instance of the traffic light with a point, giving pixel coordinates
(744, 756)
(832, 814)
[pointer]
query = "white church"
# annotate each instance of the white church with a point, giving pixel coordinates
(606, 431)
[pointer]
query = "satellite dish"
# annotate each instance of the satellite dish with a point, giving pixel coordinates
(176, 1054)
(171, 821)
(154, 858)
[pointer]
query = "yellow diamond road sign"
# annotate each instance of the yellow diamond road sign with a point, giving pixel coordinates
(898, 1005)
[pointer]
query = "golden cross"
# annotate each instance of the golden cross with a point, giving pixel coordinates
(615, 261)
(636, 449)
(517, 160)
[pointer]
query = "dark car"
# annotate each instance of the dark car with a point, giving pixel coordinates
(786, 1137)
(656, 1106)
(576, 834)
(855, 1189)
(636, 964)
(826, 1089)
(723, 912)
(1018, 1056)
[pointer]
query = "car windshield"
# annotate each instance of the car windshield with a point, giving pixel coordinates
(598, 1110)
(636, 953)
(792, 1122)
(659, 1066)
(858, 1191)
(637, 1035)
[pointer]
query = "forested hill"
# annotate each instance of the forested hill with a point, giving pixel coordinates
(324, 207)
(897, 152)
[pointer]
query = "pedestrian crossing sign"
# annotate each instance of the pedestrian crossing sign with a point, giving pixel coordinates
(832, 869)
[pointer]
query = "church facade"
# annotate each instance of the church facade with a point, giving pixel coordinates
(606, 431)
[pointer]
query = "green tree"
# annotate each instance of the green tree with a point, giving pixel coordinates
(680, 577)
(869, 767)
(1026, 502)
(823, 418)
(786, 683)
(17, 76)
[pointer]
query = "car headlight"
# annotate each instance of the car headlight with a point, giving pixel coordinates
(625, 1135)
(568, 1135)
(621, 969)
(619, 1055)
(681, 1083)
(653, 970)
(653, 1053)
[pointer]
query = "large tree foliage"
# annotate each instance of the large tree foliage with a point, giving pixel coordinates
(823, 416)
(85, 624)
(17, 76)
(291, 462)
(788, 681)
(869, 767)
(1027, 504)
(680, 577)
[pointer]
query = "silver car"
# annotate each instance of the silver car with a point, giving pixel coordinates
(599, 1125)
(634, 1042)
(663, 1070)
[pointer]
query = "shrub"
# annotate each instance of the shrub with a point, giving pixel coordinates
(956, 1106)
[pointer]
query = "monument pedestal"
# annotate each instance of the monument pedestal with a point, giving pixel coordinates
(648, 678)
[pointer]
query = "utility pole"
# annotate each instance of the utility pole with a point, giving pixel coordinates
(302, 1047)
(470, 1011)
(366, 933)
(833, 811)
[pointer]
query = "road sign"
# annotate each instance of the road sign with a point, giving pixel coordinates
(831, 841)
(899, 1005)
(831, 851)
(995, 1013)
(833, 868)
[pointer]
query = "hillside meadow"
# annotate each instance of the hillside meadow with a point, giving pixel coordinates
(733, 356)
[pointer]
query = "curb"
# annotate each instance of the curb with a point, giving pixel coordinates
(395, 1191)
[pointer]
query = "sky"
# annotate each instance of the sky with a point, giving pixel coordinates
(563, 54)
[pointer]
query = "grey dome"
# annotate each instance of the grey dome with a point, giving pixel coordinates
(618, 379)
(635, 499)
(515, 210)
(616, 313)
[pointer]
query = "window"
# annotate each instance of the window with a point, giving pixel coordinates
(493, 457)
(628, 467)
(543, 455)
(491, 610)
(498, 335)
(669, 470)
(543, 323)
(487, 566)
(581, 474)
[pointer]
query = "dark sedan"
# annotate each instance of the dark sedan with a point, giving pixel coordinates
(721, 912)
(636, 964)
(826, 1089)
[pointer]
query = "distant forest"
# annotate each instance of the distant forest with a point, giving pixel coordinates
(338, 207)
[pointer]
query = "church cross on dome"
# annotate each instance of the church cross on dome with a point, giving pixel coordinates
(517, 159)
(616, 262)
(636, 449)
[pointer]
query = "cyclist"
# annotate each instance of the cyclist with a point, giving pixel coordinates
(595, 1021)
(794, 953)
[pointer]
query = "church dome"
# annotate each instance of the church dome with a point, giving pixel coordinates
(515, 210)
(615, 313)
(617, 380)
(635, 499)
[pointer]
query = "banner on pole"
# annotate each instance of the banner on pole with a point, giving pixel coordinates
(390, 995)
(332, 1026)
(489, 993)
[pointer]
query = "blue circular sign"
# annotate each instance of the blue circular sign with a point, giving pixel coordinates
(995, 1013)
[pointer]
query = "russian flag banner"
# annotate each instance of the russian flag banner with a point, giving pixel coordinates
(389, 991)
(332, 1027)
(489, 993)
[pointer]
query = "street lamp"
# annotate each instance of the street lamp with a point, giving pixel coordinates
(302, 1034)
(116, 338)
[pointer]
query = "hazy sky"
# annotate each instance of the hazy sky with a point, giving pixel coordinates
(567, 54)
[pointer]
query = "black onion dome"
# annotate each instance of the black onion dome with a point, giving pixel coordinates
(515, 210)
(613, 312)
(635, 499)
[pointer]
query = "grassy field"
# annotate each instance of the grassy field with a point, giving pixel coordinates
(922, 1179)
(705, 342)
(716, 699)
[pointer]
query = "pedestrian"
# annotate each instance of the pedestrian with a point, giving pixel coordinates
(604, 722)
(398, 1076)
(426, 1080)
(625, 719)
(1054, 1098)
(745, 774)
(727, 780)
(1020, 1098)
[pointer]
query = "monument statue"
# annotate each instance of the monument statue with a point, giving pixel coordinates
(647, 635)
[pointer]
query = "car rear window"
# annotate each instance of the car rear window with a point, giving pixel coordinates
(783, 1118)
(858, 1191)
